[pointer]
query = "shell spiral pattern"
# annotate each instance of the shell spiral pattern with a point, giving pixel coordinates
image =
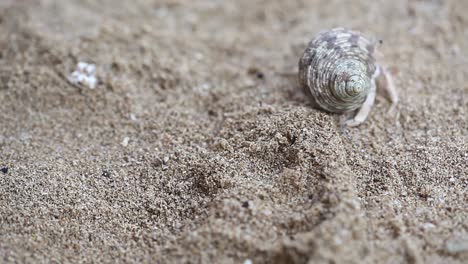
(337, 70)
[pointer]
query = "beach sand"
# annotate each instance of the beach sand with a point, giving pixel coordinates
(199, 146)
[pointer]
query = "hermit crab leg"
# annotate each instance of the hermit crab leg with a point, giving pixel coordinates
(364, 111)
(391, 89)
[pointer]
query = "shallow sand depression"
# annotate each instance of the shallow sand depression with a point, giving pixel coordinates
(197, 144)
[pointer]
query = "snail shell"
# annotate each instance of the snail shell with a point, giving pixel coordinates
(337, 70)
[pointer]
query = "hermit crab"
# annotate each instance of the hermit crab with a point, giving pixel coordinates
(338, 70)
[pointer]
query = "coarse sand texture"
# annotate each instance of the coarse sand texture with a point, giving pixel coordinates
(198, 145)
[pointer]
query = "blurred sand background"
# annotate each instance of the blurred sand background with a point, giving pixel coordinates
(226, 160)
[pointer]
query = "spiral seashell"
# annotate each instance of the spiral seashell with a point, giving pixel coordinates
(338, 71)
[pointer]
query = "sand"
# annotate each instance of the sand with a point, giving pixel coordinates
(199, 146)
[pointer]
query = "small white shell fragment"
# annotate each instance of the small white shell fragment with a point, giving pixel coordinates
(81, 78)
(75, 74)
(125, 141)
(84, 75)
(90, 69)
(248, 261)
(81, 66)
(91, 82)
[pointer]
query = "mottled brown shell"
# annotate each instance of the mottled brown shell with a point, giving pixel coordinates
(337, 70)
